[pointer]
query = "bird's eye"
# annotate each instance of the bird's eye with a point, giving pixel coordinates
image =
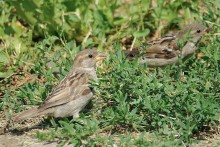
(90, 56)
(198, 31)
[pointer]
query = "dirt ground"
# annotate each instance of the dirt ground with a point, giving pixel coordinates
(9, 140)
(27, 140)
(213, 141)
(23, 135)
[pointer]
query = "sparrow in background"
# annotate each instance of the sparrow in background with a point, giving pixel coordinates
(73, 92)
(168, 46)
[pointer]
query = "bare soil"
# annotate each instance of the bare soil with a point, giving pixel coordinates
(23, 135)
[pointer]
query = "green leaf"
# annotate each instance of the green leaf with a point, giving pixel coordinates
(142, 33)
(6, 74)
(4, 58)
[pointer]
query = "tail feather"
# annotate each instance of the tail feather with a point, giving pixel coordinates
(25, 114)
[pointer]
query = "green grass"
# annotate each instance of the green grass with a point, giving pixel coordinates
(133, 106)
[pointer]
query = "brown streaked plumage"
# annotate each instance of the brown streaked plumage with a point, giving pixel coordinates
(167, 47)
(73, 92)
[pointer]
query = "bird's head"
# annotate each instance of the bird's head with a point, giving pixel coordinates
(87, 58)
(194, 30)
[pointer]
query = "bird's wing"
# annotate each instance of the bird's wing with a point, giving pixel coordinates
(164, 47)
(164, 40)
(156, 48)
(160, 51)
(70, 88)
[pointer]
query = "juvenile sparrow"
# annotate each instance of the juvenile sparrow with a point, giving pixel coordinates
(73, 92)
(168, 47)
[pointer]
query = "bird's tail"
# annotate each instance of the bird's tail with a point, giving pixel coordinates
(25, 114)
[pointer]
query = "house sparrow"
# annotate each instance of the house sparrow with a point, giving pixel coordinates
(168, 47)
(73, 92)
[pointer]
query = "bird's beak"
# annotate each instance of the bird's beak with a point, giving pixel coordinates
(100, 56)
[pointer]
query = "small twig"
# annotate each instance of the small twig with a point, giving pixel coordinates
(97, 2)
(212, 23)
(27, 63)
(132, 45)
(73, 13)
(87, 36)
(63, 19)
(167, 116)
